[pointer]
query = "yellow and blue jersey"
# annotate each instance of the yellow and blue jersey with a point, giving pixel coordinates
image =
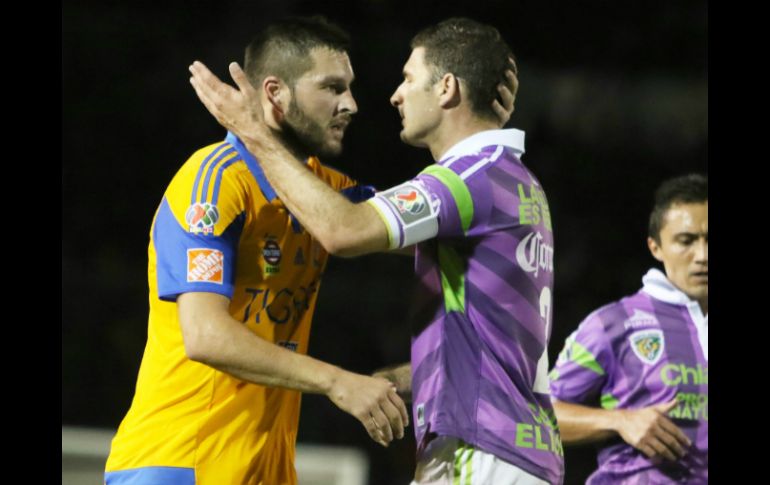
(220, 228)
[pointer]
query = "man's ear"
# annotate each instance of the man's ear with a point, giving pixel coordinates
(278, 95)
(449, 91)
(655, 249)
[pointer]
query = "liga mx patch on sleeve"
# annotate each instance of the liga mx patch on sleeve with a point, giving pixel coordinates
(205, 265)
(409, 212)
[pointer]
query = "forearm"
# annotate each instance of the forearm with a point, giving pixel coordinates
(342, 227)
(401, 376)
(580, 424)
(219, 341)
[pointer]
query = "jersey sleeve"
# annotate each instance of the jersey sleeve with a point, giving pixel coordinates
(439, 202)
(197, 230)
(584, 365)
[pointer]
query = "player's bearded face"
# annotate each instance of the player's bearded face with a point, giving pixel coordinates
(322, 104)
(316, 137)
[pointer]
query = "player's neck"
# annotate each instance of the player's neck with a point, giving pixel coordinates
(454, 129)
(704, 306)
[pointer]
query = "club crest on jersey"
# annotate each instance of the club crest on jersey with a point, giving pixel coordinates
(205, 265)
(648, 345)
(202, 217)
(408, 200)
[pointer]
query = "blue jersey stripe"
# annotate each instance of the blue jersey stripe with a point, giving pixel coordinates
(210, 171)
(168, 475)
(217, 183)
(200, 171)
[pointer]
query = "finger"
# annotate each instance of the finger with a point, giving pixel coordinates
(395, 420)
(666, 407)
(383, 423)
(647, 450)
(670, 441)
(240, 78)
(514, 67)
(513, 82)
(500, 112)
(373, 429)
(400, 404)
(506, 96)
(661, 449)
(674, 431)
(203, 74)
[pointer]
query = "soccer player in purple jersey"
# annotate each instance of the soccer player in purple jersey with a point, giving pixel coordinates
(633, 377)
(484, 256)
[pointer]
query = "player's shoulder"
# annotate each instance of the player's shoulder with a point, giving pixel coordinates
(204, 167)
(619, 317)
(333, 176)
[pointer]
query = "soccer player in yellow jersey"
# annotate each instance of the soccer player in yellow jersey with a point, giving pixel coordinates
(233, 283)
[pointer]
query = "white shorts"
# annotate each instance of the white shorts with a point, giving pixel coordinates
(450, 461)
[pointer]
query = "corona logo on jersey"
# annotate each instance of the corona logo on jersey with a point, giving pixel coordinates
(202, 217)
(408, 200)
(533, 254)
(648, 345)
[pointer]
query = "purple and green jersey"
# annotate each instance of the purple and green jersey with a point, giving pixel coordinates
(482, 313)
(643, 350)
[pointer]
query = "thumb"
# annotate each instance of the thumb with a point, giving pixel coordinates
(668, 406)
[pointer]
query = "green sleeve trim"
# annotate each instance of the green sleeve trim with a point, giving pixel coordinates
(452, 269)
(458, 189)
(608, 401)
(584, 358)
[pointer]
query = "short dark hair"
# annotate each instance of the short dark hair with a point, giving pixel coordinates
(470, 50)
(685, 189)
(283, 48)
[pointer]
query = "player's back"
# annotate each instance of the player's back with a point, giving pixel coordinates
(479, 355)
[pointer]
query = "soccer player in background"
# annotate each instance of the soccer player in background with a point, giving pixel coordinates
(633, 377)
(233, 281)
(484, 256)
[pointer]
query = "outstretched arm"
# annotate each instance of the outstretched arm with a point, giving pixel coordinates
(343, 228)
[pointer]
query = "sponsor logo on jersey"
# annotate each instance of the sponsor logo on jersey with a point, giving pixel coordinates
(641, 319)
(534, 255)
(202, 217)
(648, 345)
(272, 252)
(409, 200)
(205, 266)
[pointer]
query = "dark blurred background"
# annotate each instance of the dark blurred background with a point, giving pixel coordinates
(613, 97)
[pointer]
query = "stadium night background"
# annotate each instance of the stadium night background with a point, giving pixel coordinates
(613, 98)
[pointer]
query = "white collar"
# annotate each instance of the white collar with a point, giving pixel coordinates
(658, 286)
(511, 137)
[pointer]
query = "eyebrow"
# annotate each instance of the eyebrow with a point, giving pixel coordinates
(332, 79)
(690, 234)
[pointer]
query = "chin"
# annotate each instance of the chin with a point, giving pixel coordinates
(330, 150)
